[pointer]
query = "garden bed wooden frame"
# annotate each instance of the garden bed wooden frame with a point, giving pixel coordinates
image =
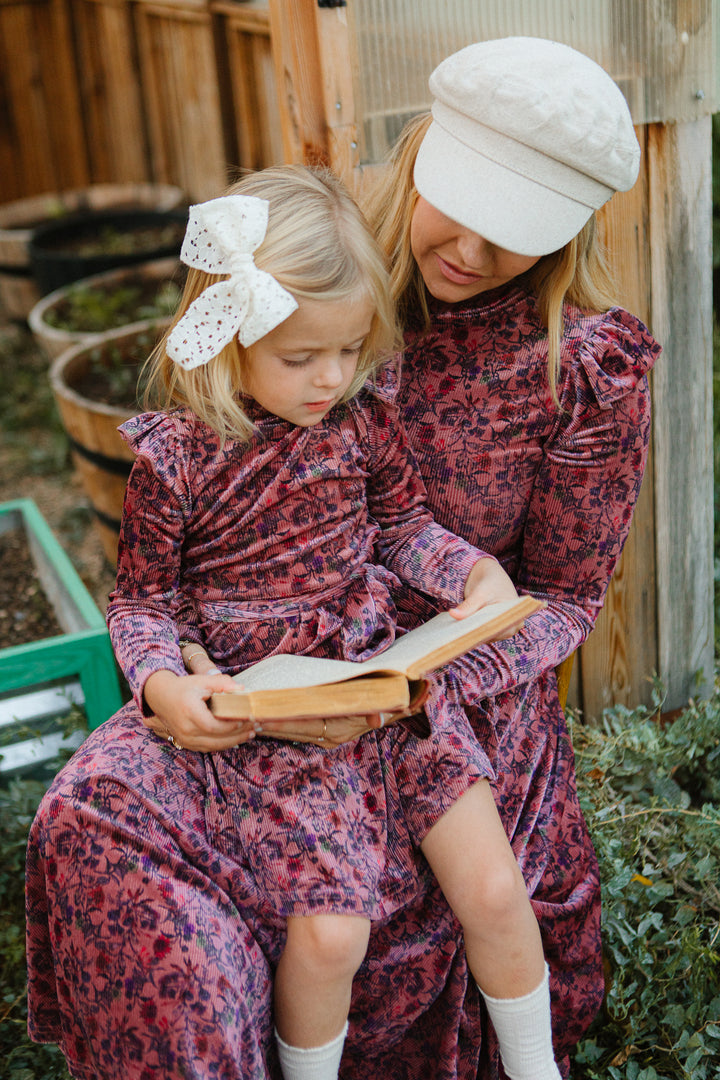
(83, 651)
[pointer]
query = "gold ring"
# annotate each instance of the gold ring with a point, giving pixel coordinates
(173, 742)
(321, 738)
(198, 652)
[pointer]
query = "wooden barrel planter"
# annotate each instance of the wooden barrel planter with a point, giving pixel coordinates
(82, 245)
(75, 314)
(18, 288)
(95, 387)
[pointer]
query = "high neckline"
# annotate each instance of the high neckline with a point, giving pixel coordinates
(481, 301)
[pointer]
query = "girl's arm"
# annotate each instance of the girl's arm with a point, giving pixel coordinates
(142, 627)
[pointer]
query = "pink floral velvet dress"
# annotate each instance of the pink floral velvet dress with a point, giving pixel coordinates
(258, 548)
(151, 949)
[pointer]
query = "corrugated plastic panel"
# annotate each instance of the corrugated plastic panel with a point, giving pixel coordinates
(662, 53)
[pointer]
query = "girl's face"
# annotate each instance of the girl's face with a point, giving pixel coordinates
(457, 264)
(305, 365)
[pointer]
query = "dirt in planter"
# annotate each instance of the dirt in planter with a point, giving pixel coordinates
(26, 614)
(108, 239)
(92, 309)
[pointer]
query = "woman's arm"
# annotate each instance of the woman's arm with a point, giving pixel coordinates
(577, 523)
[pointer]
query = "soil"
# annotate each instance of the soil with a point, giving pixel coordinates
(25, 613)
(129, 240)
(91, 309)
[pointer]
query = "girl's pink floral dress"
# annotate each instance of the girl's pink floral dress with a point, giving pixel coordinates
(255, 549)
(151, 948)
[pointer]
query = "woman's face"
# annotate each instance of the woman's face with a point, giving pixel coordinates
(457, 264)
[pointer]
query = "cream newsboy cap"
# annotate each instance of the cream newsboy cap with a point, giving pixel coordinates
(528, 138)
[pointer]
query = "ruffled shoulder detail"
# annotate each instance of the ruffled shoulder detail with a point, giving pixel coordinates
(151, 432)
(175, 444)
(616, 351)
(387, 379)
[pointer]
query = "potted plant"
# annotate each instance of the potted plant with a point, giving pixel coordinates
(97, 387)
(18, 219)
(75, 314)
(81, 245)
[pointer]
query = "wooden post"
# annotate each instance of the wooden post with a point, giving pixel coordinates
(680, 215)
(296, 51)
(616, 662)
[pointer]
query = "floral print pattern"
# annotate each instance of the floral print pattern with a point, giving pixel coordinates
(151, 948)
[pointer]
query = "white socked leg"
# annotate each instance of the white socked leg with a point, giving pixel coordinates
(524, 1030)
(312, 1063)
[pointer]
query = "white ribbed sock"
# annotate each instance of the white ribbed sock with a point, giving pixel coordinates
(314, 1063)
(524, 1030)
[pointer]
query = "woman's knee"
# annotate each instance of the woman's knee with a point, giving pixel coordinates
(335, 943)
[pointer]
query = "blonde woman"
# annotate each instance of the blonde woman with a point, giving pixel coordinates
(525, 396)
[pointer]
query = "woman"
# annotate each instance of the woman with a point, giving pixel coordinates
(524, 392)
(526, 397)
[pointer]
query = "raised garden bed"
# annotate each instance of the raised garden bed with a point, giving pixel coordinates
(69, 652)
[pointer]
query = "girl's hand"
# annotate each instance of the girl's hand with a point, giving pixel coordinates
(179, 704)
(331, 732)
(487, 583)
(197, 661)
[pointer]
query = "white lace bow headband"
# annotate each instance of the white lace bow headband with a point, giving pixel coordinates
(221, 236)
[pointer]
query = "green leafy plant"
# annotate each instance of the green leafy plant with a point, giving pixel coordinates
(114, 372)
(94, 308)
(19, 799)
(651, 795)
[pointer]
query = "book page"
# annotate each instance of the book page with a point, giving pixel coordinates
(285, 671)
(414, 654)
(443, 638)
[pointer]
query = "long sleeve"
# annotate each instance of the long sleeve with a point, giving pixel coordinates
(140, 613)
(551, 494)
(411, 543)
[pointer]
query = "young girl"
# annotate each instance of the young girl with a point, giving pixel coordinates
(251, 515)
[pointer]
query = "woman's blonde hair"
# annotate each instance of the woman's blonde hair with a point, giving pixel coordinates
(577, 274)
(318, 246)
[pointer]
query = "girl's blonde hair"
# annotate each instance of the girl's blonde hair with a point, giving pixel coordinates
(318, 246)
(577, 274)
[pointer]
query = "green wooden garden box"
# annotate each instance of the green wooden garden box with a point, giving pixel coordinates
(78, 664)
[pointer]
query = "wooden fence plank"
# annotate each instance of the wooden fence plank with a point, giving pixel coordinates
(181, 95)
(108, 72)
(680, 205)
(247, 81)
(42, 146)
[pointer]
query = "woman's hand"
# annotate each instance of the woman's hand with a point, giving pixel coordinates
(487, 583)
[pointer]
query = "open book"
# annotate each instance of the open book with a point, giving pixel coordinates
(286, 686)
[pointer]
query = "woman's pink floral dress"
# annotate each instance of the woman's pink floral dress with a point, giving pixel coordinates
(151, 947)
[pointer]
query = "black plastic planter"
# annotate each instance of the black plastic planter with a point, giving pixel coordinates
(84, 244)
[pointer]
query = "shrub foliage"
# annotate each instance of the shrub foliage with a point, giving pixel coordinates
(651, 794)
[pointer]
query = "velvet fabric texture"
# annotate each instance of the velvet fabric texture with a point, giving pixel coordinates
(151, 946)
